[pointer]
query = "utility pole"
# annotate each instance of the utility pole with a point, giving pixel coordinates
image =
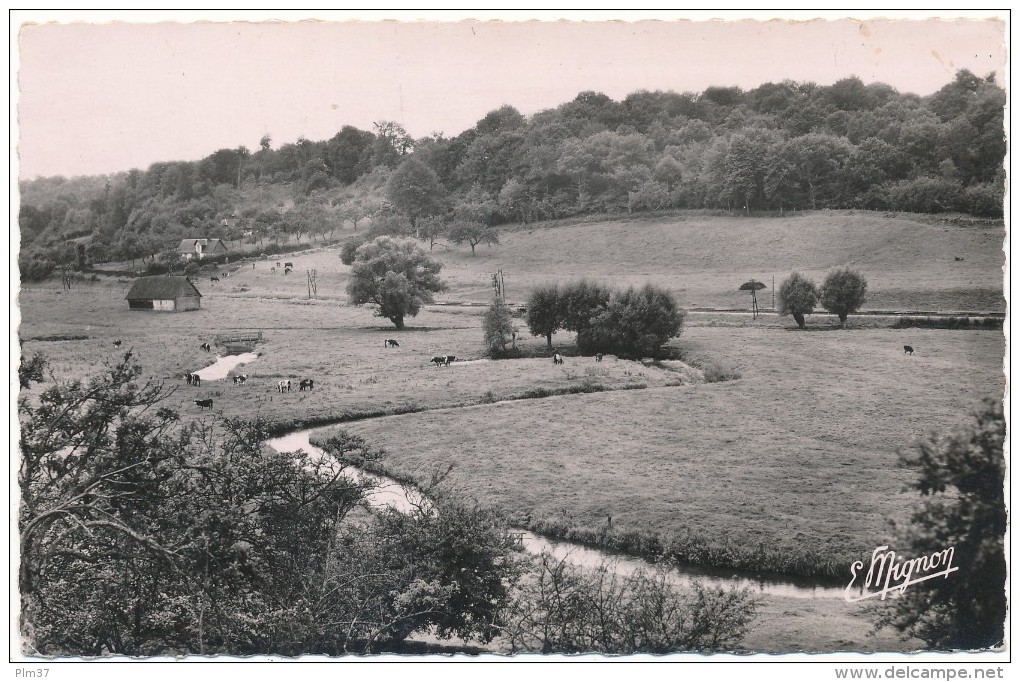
(499, 285)
(313, 289)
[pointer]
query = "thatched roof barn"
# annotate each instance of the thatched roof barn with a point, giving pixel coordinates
(173, 294)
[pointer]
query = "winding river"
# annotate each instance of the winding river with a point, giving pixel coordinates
(390, 493)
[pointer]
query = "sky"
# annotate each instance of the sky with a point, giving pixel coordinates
(120, 92)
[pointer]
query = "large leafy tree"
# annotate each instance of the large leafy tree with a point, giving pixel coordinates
(544, 312)
(581, 302)
(431, 229)
(472, 232)
(346, 153)
(797, 297)
(843, 292)
(414, 189)
(960, 480)
(397, 275)
(637, 322)
(142, 536)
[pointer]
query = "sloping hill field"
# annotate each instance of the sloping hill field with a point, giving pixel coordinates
(909, 263)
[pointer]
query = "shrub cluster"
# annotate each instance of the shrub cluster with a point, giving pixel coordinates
(631, 323)
(956, 322)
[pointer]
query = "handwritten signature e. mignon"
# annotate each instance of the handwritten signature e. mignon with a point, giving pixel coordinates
(890, 573)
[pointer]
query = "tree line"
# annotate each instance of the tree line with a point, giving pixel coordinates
(778, 147)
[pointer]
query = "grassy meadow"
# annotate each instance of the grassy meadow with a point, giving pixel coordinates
(910, 263)
(791, 466)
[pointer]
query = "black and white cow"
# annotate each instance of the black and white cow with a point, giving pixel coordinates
(557, 359)
(196, 380)
(306, 383)
(283, 386)
(391, 342)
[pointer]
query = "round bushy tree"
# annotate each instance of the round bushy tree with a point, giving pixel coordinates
(543, 316)
(797, 297)
(580, 303)
(636, 323)
(415, 190)
(395, 274)
(349, 250)
(843, 293)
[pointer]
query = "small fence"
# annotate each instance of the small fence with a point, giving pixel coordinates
(239, 342)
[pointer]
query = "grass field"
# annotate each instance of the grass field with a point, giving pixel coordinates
(791, 466)
(909, 264)
(340, 347)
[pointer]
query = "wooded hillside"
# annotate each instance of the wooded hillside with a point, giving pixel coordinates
(778, 147)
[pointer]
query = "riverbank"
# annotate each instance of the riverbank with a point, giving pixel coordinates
(791, 618)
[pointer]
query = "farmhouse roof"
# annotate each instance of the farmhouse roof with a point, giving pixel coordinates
(188, 245)
(161, 288)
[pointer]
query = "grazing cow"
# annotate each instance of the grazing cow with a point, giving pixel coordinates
(204, 403)
(306, 383)
(443, 360)
(908, 349)
(557, 359)
(196, 380)
(449, 358)
(240, 378)
(206, 347)
(214, 279)
(188, 378)
(288, 265)
(957, 258)
(390, 342)
(117, 343)
(283, 386)
(598, 357)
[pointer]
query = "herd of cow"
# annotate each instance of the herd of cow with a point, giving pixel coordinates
(284, 385)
